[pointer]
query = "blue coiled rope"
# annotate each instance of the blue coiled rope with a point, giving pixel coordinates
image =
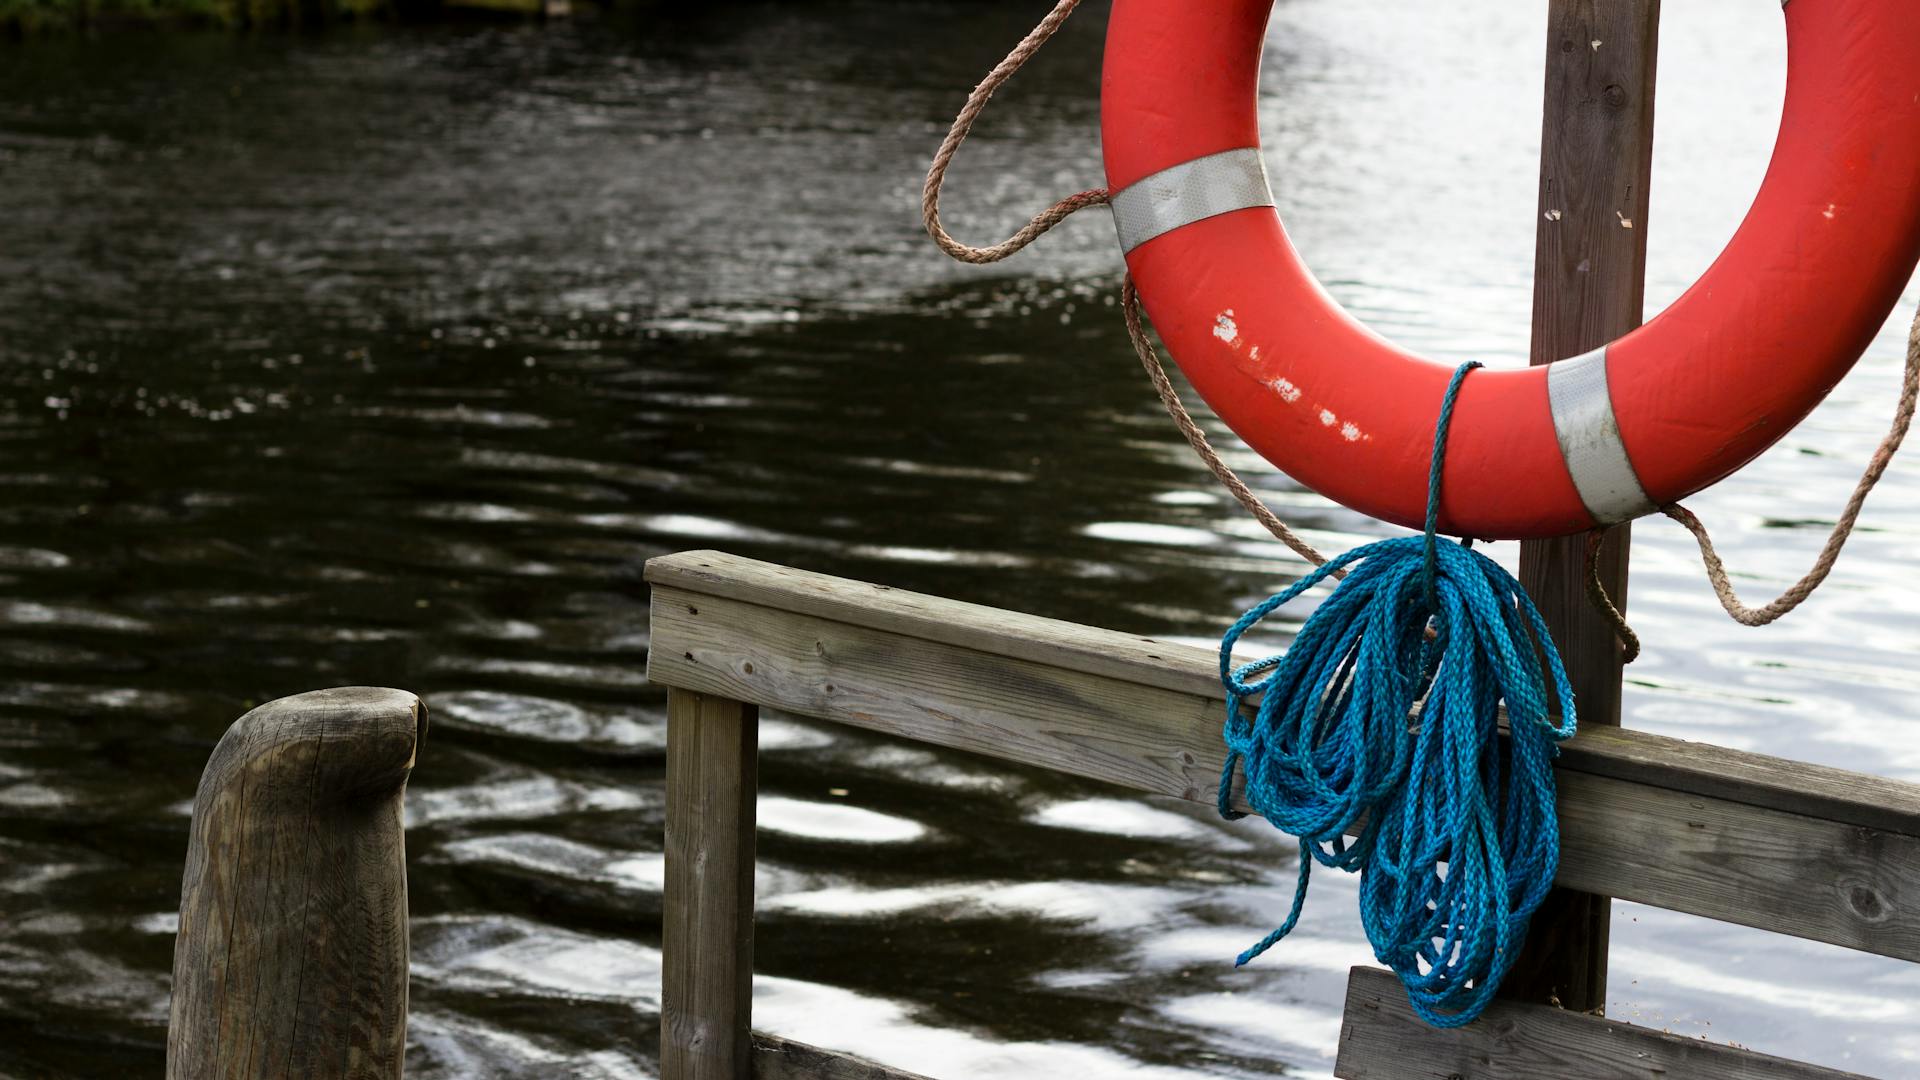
(1369, 716)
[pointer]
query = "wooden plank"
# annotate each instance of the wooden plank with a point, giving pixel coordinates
(1141, 737)
(1817, 791)
(1820, 791)
(1589, 287)
(706, 992)
(291, 958)
(775, 1058)
(1168, 665)
(1382, 1039)
(1622, 835)
(1744, 864)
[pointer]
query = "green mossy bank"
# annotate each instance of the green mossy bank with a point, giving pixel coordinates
(20, 18)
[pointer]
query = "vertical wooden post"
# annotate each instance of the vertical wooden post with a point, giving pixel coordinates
(1596, 163)
(706, 994)
(292, 954)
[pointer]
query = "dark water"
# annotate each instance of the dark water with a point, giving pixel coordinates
(389, 356)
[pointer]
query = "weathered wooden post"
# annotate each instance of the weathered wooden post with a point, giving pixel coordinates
(1596, 164)
(706, 993)
(292, 955)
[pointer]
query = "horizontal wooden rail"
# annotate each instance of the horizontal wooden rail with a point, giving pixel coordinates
(1382, 1039)
(1818, 853)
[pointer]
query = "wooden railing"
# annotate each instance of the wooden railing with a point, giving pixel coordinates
(1798, 849)
(293, 941)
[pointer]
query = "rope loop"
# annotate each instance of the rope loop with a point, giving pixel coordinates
(1797, 593)
(1369, 727)
(1800, 591)
(957, 134)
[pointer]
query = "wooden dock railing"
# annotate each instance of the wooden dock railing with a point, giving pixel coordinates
(1798, 849)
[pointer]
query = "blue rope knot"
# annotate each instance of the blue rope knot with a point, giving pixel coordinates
(1369, 726)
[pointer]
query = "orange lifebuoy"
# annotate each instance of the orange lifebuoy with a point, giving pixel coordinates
(1730, 367)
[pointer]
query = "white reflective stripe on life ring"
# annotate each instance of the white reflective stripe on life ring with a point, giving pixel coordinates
(1188, 192)
(1589, 435)
(1583, 417)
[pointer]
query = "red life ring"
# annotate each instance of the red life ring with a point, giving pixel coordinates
(1743, 356)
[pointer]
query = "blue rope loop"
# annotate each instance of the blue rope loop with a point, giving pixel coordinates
(1369, 727)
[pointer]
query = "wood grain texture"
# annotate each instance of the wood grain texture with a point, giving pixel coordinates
(1192, 674)
(1589, 287)
(1797, 875)
(1633, 825)
(775, 1058)
(291, 958)
(1141, 737)
(1596, 167)
(1382, 1039)
(997, 632)
(706, 993)
(1837, 795)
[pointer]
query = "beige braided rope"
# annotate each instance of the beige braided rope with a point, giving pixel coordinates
(957, 134)
(1196, 438)
(1795, 595)
(1054, 215)
(1597, 596)
(1842, 529)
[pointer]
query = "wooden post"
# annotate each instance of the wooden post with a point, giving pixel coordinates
(1590, 263)
(292, 953)
(706, 993)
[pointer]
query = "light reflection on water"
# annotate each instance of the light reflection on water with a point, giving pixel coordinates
(389, 355)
